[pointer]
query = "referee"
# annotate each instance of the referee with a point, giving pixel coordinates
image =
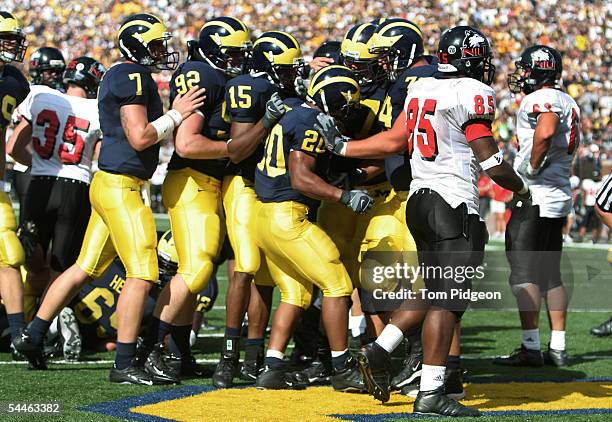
(603, 206)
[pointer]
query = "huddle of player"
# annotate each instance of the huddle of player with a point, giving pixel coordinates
(387, 140)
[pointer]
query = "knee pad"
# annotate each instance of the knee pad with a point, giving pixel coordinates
(517, 288)
(11, 251)
(198, 279)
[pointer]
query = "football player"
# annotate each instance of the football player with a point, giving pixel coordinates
(548, 131)
(446, 127)
(287, 183)
(13, 90)
(275, 64)
(400, 45)
(64, 131)
(350, 234)
(133, 124)
(192, 189)
(46, 67)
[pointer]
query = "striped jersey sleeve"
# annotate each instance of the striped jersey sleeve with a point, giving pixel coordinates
(604, 195)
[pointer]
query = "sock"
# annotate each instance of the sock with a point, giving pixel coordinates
(162, 331)
(357, 325)
(232, 332)
(253, 349)
(274, 359)
(156, 332)
(125, 354)
(390, 338)
(323, 350)
(432, 377)
(339, 358)
(531, 339)
(557, 340)
(230, 346)
(38, 329)
(16, 322)
(453, 362)
(180, 337)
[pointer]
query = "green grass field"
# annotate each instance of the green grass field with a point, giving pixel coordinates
(485, 334)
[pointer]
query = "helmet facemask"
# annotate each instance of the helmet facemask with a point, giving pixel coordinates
(12, 47)
(368, 71)
(160, 57)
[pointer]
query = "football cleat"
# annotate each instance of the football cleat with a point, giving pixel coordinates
(602, 330)
(453, 383)
(410, 372)
(71, 336)
(521, 357)
(226, 370)
(436, 403)
(132, 375)
(375, 366)
(250, 370)
(34, 354)
(186, 368)
(277, 379)
(411, 390)
(555, 357)
(157, 368)
(317, 372)
(348, 378)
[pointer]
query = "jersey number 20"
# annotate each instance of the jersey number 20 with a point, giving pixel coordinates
(48, 119)
(420, 129)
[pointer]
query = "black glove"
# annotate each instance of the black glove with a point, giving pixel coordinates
(275, 108)
(28, 236)
(357, 200)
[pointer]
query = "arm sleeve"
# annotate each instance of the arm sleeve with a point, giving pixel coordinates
(25, 108)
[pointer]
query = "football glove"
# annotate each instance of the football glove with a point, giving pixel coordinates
(357, 200)
(523, 199)
(529, 172)
(275, 108)
(28, 236)
(335, 141)
(301, 86)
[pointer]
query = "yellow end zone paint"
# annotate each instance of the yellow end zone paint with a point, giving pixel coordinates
(314, 404)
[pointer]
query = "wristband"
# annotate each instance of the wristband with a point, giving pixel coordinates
(163, 126)
(345, 198)
(176, 116)
(524, 190)
(5, 186)
(494, 160)
(342, 150)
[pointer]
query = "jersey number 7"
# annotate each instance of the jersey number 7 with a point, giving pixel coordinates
(49, 120)
(420, 129)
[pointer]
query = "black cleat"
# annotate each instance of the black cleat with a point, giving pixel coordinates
(132, 375)
(226, 370)
(33, 353)
(317, 372)
(603, 330)
(187, 368)
(348, 377)
(410, 373)
(250, 371)
(521, 357)
(436, 403)
(375, 366)
(157, 368)
(277, 379)
(556, 358)
(453, 383)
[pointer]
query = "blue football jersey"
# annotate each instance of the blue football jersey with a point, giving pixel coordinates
(124, 84)
(216, 120)
(397, 167)
(13, 90)
(294, 132)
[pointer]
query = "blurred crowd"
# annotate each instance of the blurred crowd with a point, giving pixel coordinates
(577, 28)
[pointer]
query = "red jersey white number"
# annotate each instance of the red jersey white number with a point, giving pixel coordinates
(437, 112)
(65, 130)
